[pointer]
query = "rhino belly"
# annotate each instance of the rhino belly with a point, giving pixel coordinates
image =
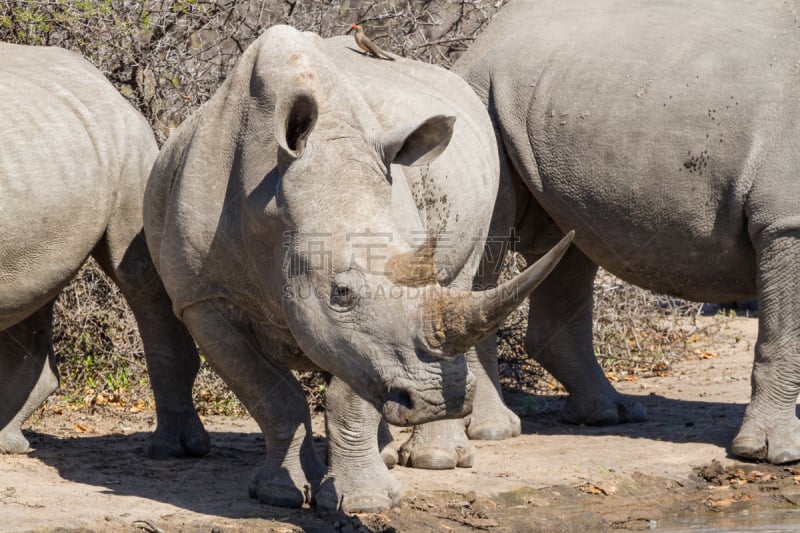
(643, 210)
(43, 244)
(673, 260)
(55, 203)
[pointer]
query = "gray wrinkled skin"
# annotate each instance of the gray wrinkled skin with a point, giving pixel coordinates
(292, 219)
(667, 135)
(73, 166)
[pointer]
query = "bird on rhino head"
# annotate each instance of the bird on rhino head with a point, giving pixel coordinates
(366, 44)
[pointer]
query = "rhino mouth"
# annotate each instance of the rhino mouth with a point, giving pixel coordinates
(407, 404)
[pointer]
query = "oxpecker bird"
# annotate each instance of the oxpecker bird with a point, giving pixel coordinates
(367, 45)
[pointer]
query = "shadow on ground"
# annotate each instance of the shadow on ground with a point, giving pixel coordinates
(669, 420)
(215, 485)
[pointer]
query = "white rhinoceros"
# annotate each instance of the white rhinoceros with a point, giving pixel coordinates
(287, 235)
(73, 167)
(667, 133)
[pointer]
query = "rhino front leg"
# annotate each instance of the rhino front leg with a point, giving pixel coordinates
(490, 418)
(292, 471)
(27, 375)
(770, 429)
(172, 359)
(357, 478)
(559, 337)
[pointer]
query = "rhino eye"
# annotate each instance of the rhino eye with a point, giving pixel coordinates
(342, 296)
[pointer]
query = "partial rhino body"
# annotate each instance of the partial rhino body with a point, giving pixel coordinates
(667, 134)
(73, 166)
(287, 234)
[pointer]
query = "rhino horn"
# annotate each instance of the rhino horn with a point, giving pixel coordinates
(453, 321)
(415, 268)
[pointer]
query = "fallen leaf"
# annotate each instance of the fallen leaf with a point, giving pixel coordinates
(598, 488)
(80, 428)
(721, 503)
(756, 476)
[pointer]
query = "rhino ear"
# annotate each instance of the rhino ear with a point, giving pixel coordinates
(295, 116)
(418, 144)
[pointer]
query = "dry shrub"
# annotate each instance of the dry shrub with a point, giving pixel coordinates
(100, 355)
(169, 56)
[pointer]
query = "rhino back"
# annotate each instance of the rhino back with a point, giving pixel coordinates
(649, 129)
(68, 138)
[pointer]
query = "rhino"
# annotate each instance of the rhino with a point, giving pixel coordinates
(666, 134)
(282, 217)
(73, 167)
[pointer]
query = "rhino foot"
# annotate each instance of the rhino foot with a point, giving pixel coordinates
(608, 410)
(359, 492)
(12, 441)
(441, 445)
(288, 479)
(178, 435)
(500, 424)
(278, 494)
(777, 445)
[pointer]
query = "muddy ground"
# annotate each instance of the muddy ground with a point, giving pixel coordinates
(674, 472)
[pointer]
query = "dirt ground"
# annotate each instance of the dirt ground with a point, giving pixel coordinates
(672, 473)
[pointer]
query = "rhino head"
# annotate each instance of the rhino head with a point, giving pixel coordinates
(359, 300)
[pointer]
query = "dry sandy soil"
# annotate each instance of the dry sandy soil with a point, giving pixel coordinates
(672, 473)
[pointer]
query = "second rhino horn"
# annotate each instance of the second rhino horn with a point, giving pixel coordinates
(415, 268)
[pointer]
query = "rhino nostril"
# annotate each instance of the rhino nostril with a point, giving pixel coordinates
(399, 408)
(402, 398)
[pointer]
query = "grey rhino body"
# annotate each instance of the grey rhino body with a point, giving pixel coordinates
(73, 167)
(288, 236)
(667, 134)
